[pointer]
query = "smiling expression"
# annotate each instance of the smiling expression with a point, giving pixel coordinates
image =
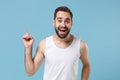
(62, 24)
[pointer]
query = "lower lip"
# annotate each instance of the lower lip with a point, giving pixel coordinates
(62, 32)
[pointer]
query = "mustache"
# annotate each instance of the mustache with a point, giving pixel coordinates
(62, 28)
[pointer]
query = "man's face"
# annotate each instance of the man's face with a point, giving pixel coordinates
(62, 23)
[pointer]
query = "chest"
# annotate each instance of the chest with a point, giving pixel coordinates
(68, 57)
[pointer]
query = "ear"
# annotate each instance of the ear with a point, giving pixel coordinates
(72, 23)
(53, 22)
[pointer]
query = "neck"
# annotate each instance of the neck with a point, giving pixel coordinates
(69, 38)
(63, 42)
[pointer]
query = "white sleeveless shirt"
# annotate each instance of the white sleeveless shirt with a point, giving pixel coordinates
(60, 63)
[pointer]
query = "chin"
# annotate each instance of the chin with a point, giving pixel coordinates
(62, 36)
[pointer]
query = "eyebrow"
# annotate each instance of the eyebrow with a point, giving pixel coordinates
(62, 18)
(59, 18)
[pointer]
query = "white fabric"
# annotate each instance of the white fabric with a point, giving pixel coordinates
(61, 64)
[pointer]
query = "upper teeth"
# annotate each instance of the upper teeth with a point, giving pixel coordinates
(63, 30)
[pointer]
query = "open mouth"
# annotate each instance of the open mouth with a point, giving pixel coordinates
(62, 31)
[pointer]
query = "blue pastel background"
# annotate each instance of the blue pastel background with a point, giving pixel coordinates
(97, 22)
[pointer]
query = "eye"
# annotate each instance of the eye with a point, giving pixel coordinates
(67, 21)
(59, 21)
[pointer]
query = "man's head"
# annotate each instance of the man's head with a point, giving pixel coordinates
(63, 8)
(62, 21)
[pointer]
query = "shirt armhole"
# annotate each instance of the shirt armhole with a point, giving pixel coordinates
(79, 47)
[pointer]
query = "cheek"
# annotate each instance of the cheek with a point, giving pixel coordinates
(56, 25)
(69, 26)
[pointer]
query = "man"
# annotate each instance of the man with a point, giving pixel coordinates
(61, 51)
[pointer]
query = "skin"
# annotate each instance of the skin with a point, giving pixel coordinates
(62, 39)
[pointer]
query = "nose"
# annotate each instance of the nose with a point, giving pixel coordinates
(63, 24)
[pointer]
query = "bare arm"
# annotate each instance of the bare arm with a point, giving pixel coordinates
(32, 64)
(85, 61)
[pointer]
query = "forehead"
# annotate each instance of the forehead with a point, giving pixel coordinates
(62, 14)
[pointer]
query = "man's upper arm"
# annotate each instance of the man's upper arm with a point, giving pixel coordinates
(39, 56)
(84, 53)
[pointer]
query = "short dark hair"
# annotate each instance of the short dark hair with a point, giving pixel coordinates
(63, 8)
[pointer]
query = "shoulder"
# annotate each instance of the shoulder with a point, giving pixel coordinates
(82, 43)
(42, 42)
(83, 47)
(41, 45)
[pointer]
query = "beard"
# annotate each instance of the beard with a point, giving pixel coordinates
(62, 32)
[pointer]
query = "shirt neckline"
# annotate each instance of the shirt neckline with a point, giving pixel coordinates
(62, 48)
